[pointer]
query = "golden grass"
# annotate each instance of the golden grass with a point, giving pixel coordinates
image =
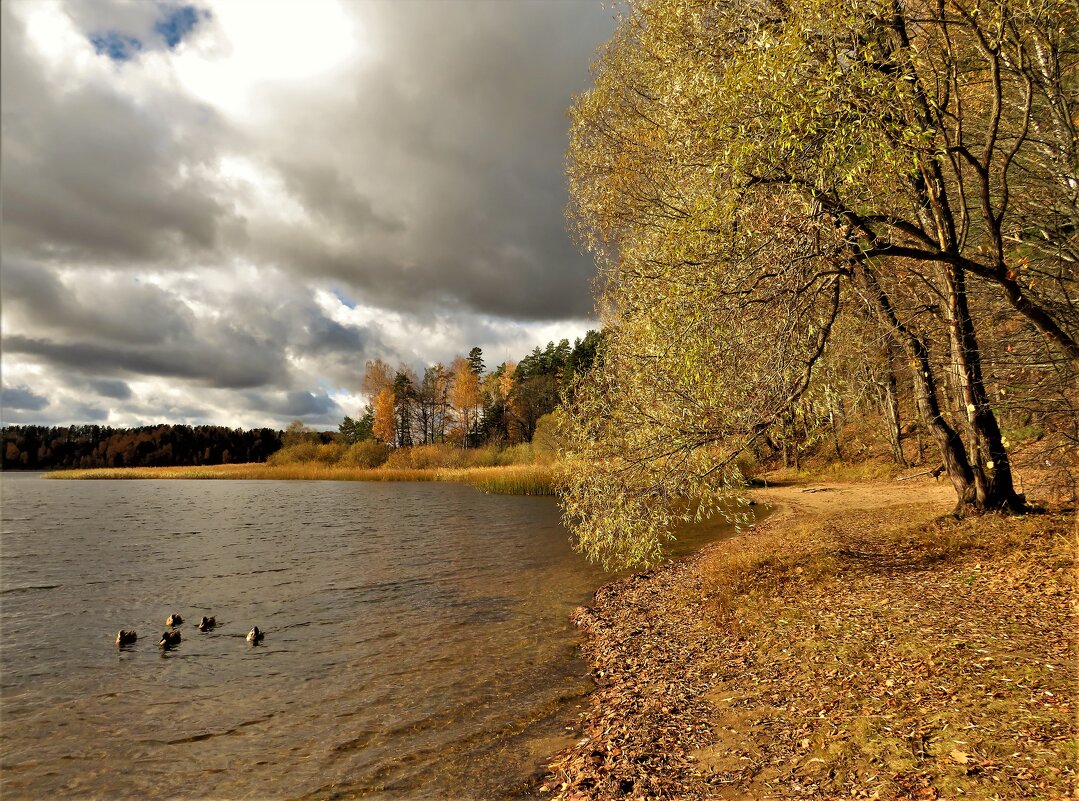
(509, 480)
(522, 479)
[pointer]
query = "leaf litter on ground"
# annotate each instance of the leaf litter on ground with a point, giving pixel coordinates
(843, 652)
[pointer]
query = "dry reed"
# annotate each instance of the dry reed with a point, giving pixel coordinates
(508, 480)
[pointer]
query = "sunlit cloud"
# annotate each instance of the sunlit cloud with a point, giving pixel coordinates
(250, 47)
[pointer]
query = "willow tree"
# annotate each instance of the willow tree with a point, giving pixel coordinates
(747, 172)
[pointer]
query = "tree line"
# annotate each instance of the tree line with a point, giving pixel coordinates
(88, 446)
(464, 403)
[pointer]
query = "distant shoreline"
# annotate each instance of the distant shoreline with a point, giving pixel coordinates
(505, 480)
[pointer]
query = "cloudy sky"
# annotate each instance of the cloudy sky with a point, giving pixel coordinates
(216, 212)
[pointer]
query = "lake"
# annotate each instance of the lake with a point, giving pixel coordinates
(417, 639)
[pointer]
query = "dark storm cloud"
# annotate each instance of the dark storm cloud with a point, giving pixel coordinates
(22, 398)
(111, 308)
(322, 334)
(451, 153)
(115, 324)
(331, 196)
(109, 388)
(89, 413)
(296, 405)
(96, 329)
(243, 365)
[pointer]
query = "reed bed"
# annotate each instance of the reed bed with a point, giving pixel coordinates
(508, 480)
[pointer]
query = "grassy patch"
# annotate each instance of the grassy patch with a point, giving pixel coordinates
(837, 471)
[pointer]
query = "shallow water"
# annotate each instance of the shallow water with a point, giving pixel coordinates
(417, 638)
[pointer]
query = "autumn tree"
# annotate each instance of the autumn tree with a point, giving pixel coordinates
(385, 422)
(432, 397)
(465, 396)
(748, 174)
(503, 387)
(377, 375)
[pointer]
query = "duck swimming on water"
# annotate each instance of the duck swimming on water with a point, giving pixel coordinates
(174, 620)
(125, 637)
(169, 638)
(255, 636)
(207, 623)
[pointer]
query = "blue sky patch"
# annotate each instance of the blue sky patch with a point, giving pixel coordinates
(177, 22)
(173, 25)
(345, 299)
(117, 46)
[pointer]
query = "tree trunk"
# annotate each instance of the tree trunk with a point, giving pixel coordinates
(832, 422)
(794, 437)
(994, 488)
(891, 406)
(950, 444)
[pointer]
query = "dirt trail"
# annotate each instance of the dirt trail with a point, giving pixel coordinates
(826, 498)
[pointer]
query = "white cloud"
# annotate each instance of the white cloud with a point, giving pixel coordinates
(250, 47)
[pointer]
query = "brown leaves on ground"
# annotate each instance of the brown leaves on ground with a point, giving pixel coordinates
(853, 653)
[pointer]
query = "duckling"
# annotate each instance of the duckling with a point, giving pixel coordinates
(255, 636)
(207, 623)
(174, 620)
(169, 638)
(125, 637)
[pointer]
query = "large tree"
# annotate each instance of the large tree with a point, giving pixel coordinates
(748, 173)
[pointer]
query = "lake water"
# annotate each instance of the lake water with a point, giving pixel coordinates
(417, 639)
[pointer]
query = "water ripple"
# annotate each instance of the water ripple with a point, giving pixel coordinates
(409, 628)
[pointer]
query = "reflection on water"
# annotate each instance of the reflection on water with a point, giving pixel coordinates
(416, 638)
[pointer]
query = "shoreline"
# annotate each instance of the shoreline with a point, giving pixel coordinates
(523, 479)
(788, 661)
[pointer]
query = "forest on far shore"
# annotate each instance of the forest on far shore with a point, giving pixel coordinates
(460, 405)
(86, 446)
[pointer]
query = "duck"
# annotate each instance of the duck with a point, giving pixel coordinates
(169, 638)
(255, 636)
(125, 637)
(207, 623)
(174, 620)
